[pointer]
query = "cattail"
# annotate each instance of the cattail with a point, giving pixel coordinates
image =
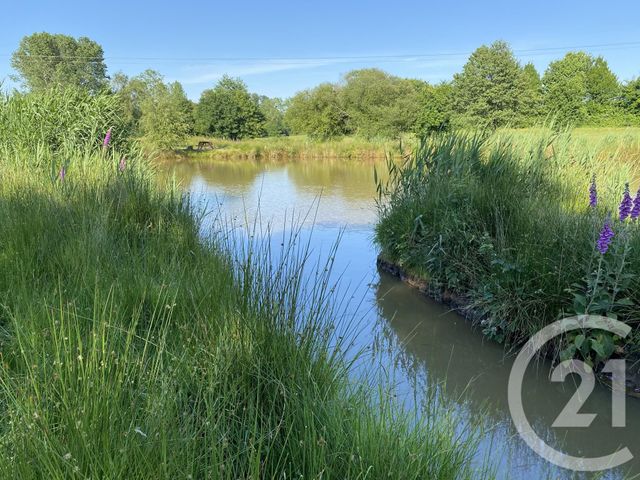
(626, 204)
(122, 164)
(635, 212)
(606, 236)
(107, 139)
(593, 193)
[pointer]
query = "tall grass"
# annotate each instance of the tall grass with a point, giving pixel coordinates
(133, 348)
(295, 147)
(504, 222)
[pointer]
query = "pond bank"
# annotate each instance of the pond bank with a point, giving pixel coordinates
(297, 147)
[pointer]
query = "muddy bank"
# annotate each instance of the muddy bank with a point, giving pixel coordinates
(462, 306)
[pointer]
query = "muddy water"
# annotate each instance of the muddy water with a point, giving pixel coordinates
(421, 342)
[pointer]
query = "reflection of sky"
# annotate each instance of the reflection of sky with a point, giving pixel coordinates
(414, 342)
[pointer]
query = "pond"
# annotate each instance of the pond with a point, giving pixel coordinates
(418, 342)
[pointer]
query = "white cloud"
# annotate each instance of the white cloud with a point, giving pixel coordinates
(197, 74)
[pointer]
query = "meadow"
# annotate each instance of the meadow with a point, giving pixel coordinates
(133, 347)
(522, 227)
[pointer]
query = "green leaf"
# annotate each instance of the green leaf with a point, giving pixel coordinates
(597, 347)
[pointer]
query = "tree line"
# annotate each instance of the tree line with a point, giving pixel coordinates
(492, 90)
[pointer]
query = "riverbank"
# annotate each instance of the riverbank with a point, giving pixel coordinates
(505, 223)
(607, 142)
(292, 147)
(134, 348)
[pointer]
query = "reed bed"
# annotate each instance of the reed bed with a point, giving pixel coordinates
(505, 223)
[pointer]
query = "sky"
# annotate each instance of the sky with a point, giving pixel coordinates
(281, 47)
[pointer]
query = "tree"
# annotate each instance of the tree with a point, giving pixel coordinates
(318, 112)
(631, 97)
(132, 92)
(229, 111)
(602, 85)
(159, 113)
(488, 91)
(530, 109)
(379, 104)
(578, 87)
(44, 60)
(435, 108)
(165, 120)
(273, 110)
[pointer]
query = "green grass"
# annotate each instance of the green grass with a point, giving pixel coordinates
(608, 142)
(295, 147)
(503, 221)
(133, 348)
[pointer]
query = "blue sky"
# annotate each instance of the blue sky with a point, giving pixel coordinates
(280, 47)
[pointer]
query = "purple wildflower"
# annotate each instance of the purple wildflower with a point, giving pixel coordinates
(62, 174)
(635, 212)
(626, 205)
(593, 193)
(107, 138)
(122, 164)
(606, 236)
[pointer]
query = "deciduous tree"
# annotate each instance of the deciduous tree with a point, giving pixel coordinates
(489, 89)
(229, 111)
(44, 60)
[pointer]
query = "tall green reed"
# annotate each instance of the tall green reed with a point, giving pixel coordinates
(131, 347)
(504, 222)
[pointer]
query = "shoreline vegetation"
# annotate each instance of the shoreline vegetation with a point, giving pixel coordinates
(519, 230)
(606, 142)
(134, 348)
(295, 147)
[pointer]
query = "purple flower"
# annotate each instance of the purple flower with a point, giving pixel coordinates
(606, 236)
(635, 212)
(107, 138)
(62, 174)
(626, 205)
(593, 193)
(122, 164)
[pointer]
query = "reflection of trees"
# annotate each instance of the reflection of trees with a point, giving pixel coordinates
(352, 179)
(425, 337)
(239, 175)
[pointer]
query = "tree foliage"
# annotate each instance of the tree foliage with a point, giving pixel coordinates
(273, 110)
(578, 86)
(489, 89)
(159, 113)
(531, 108)
(318, 112)
(631, 97)
(435, 107)
(379, 104)
(45, 60)
(229, 111)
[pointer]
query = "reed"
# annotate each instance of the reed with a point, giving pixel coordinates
(132, 347)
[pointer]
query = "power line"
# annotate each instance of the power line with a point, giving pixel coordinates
(302, 60)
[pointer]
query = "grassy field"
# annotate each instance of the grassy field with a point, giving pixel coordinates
(505, 223)
(133, 348)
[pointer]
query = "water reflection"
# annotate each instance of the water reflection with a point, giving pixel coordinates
(424, 342)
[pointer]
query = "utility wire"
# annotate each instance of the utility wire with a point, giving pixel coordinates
(302, 60)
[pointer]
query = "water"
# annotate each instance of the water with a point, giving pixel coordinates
(420, 342)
